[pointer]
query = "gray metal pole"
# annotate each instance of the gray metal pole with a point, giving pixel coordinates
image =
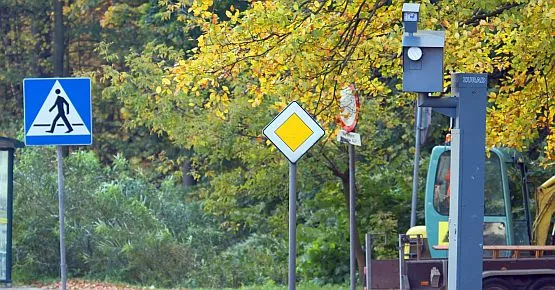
(352, 214)
(63, 266)
(368, 262)
(416, 164)
(401, 262)
(8, 264)
(292, 224)
(466, 211)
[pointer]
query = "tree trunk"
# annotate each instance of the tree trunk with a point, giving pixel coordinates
(59, 48)
(58, 39)
(187, 179)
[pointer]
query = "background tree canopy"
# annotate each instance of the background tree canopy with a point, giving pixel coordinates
(278, 51)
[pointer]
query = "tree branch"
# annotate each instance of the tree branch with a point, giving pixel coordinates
(483, 15)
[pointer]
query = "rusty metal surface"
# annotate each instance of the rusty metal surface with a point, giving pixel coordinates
(519, 264)
(385, 274)
(419, 272)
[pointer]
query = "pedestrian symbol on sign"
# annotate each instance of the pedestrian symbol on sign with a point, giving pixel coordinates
(60, 102)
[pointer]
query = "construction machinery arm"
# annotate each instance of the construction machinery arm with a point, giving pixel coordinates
(545, 200)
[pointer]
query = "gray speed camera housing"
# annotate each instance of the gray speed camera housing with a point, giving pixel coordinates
(411, 16)
(423, 75)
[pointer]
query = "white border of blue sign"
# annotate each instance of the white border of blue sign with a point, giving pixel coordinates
(57, 139)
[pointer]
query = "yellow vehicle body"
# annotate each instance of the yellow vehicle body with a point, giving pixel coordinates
(414, 233)
(545, 202)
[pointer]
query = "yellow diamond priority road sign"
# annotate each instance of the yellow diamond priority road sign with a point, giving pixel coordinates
(293, 132)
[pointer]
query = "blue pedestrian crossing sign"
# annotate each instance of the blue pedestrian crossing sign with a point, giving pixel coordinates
(57, 111)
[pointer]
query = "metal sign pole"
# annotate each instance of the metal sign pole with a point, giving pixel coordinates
(293, 132)
(416, 165)
(368, 261)
(63, 266)
(292, 224)
(352, 214)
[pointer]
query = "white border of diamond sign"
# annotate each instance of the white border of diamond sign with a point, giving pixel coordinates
(270, 131)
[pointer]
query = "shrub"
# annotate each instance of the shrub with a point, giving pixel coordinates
(119, 225)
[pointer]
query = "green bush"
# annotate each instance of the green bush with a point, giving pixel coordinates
(257, 260)
(119, 225)
(123, 226)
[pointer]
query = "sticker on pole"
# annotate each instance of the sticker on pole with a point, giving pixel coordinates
(57, 111)
(349, 106)
(293, 132)
(349, 137)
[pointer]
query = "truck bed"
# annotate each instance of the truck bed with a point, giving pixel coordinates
(517, 271)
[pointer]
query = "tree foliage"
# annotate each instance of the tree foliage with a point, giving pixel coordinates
(249, 64)
(278, 51)
(25, 50)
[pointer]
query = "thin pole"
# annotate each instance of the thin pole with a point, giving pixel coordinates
(63, 266)
(416, 166)
(292, 224)
(368, 262)
(352, 214)
(10, 218)
(58, 72)
(401, 262)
